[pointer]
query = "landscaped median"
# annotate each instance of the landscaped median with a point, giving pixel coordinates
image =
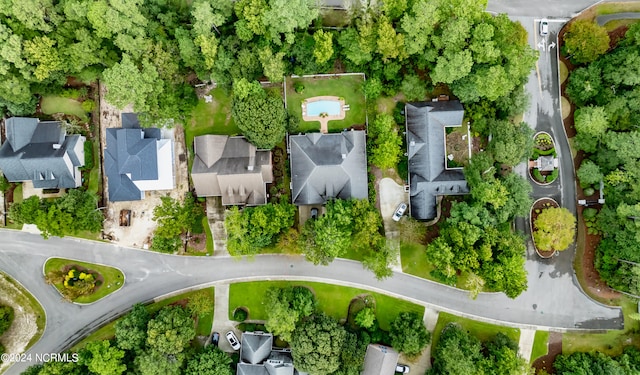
(332, 299)
(82, 282)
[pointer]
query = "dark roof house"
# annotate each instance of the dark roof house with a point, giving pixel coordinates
(231, 168)
(137, 160)
(41, 152)
(327, 166)
(258, 357)
(380, 360)
(429, 176)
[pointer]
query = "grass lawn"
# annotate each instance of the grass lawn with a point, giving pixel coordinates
(207, 231)
(483, 331)
(347, 87)
(211, 118)
(20, 298)
(17, 194)
(113, 278)
(617, 8)
(612, 25)
(540, 347)
(611, 342)
(94, 175)
(414, 260)
(564, 72)
(332, 299)
(107, 331)
(56, 104)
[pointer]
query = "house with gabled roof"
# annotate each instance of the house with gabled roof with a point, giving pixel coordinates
(41, 152)
(259, 357)
(328, 166)
(380, 360)
(231, 168)
(429, 176)
(137, 160)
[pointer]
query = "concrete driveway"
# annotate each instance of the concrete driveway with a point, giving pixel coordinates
(391, 195)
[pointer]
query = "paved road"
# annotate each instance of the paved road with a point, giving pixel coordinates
(552, 300)
(602, 20)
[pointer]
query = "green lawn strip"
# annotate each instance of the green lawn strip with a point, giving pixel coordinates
(25, 301)
(483, 331)
(94, 174)
(611, 8)
(17, 194)
(540, 345)
(612, 342)
(211, 118)
(332, 299)
(207, 231)
(113, 277)
(347, 87)
(614, 24)
(107, 332)
(57, 104)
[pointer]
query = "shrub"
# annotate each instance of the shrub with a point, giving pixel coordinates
(589, 191)
(240, 314)
(554, 174)
(88, 105)
(299, 87)
(537, 175)
(6, 318)
(4, 184)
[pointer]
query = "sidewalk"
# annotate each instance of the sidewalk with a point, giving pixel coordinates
(525, 346)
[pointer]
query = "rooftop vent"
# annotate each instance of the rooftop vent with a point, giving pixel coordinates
(57, 146)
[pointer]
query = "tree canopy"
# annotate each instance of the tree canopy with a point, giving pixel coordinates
(585, 40)
(261, 118)
(317, 343)
(286, 307)
(554, 229)
(408, 334)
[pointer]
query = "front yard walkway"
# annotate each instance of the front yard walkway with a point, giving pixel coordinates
(525, 346)
(215, 217)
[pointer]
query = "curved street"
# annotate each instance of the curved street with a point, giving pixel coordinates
(553, 301)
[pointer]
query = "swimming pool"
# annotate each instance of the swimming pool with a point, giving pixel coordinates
(330, 107)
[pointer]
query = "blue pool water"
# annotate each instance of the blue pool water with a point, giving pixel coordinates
(330, 107)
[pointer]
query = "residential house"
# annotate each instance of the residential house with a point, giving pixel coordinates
(137, 160)
(380, 360)
(231, 168)
(258, 357)
(429, 176)
(41, 152)
(327, 166)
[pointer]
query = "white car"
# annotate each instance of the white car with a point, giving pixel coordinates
(400, 210)
(403, 369)
(544, 26)
(233, 340)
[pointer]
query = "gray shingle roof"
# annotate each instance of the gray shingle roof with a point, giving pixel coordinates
(326, 166)
(428, 177)
(41, 152)
(256, 347)
(232, 168)
(380, 360)
(131, 155)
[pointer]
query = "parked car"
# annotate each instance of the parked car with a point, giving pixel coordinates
(314, 213)
(403, 369)
(233, 340)
(544, 26)
(215, 338)
(400, 210)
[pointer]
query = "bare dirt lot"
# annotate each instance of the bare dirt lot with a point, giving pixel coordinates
(28, 321)
(141, 227)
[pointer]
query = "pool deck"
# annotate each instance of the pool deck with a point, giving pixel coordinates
(324, 128)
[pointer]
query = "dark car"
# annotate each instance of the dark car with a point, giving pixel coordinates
(215, 337)
(314, 213)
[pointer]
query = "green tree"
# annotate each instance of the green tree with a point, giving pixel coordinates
(103, 359)
(170, 331)
(201, 303)
(589, 173)
(317, 343)
(243, 89)
(384, 142)
(554, 229)
(585, 40)
(175, 219)
(131, 330)
(585, 84)
(408, 334)
(366, 317)
(390, 44)
(210, 361)
(591, 124)
(329, 236)
(323, 49)
(152, 362)
(510, 143)
(272, 64)
(285, 16)
(127, 83)
(413, 88)
(457, 352)
(286, 307)
(261, 119)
